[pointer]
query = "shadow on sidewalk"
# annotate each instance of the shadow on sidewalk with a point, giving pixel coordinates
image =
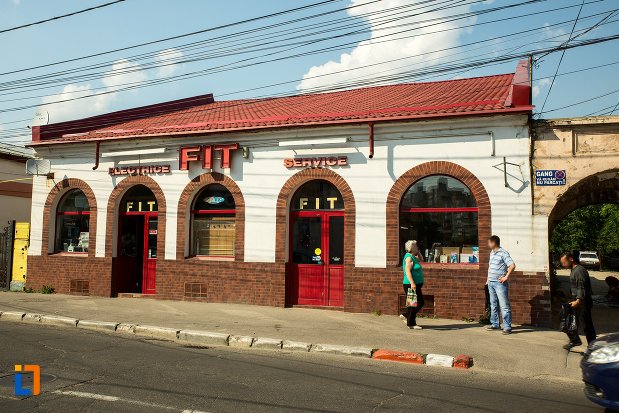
(451, 327)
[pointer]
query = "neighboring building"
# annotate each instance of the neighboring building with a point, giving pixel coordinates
(303, 200)
(15, 201)
(15, 184)
(585, 151)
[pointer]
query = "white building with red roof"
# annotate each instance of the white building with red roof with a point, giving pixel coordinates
(301, 200)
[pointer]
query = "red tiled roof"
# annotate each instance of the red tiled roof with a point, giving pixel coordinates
(199, 115)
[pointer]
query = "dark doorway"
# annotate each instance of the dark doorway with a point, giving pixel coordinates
(136, 259)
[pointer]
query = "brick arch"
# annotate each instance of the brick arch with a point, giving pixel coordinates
(112, 219)
(291, 186)
(186, 199)
(54, 196)
(413, 175)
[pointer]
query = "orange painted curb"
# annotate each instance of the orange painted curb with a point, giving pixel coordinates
(462, 361)
(401, 356)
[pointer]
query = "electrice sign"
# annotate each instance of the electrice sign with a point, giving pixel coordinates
(550, 177)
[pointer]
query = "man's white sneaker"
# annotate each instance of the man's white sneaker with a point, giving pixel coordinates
(417, 328)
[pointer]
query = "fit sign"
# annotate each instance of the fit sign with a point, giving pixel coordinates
(205, 154)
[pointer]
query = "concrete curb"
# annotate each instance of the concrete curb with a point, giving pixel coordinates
(12, 315)
(460, 361)
(201, 337)
(57, 320)
(165, 333)
(342, 350)
(97, 325)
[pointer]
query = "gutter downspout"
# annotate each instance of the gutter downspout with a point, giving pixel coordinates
(94, 168)
(371, 139)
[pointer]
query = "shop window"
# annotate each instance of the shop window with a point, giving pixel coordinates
(441, 214)
(72, 223)
(213, 227)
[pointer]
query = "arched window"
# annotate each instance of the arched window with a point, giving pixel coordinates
(441, 214)
(72, 223)
(213, 225)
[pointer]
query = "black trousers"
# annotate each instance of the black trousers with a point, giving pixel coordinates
(585, 322)
(411, 312)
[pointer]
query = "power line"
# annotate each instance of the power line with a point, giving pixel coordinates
(61, 17)
(322, 50)
(266, 16)
(552, 82)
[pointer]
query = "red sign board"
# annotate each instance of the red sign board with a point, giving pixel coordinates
(204, 153)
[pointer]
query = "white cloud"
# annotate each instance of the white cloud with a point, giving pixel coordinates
(168, 57)
(537, 87)
(121, 72)
(375, 50)
(554, 34)
(17, 2)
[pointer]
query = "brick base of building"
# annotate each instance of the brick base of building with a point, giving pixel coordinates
(457, 291)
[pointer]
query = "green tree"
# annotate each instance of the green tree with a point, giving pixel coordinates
(578, 231)
(608, 237)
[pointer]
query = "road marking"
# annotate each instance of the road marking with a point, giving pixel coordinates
(104, 397)
(88, 395)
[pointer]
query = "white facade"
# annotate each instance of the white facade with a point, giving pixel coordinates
(478, 144)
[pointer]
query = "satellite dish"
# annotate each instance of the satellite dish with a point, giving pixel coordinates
(38, 166)
(41, 117)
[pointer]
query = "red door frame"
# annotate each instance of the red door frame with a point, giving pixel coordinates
(325, 217)
(149, 265)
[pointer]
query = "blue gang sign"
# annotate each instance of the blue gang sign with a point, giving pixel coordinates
(550, 177)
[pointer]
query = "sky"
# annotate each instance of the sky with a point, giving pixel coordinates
(333, 45)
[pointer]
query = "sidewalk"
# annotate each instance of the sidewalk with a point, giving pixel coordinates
(528, 352)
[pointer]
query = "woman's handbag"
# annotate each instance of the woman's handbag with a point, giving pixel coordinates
(411, 298)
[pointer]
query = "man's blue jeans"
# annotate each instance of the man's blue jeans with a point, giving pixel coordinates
(499, 297)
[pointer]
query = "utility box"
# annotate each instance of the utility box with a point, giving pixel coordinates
(21, 242)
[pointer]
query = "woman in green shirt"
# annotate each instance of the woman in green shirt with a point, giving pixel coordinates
(413, 278)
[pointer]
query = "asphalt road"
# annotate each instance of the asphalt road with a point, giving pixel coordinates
(94, 372)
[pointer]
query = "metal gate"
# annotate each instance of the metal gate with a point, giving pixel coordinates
(6, 255)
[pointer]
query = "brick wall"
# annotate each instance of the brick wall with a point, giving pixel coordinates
(458, 290)
(59, 270)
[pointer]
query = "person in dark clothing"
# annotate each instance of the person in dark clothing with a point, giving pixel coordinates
(582, 302)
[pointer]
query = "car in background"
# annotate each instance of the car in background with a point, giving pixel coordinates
(590, 259)
(600, 371)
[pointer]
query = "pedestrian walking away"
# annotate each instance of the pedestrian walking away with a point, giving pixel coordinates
(413, 279)
(581, 301)
(500, 267)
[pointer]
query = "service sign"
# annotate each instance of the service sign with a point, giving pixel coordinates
(550, 177)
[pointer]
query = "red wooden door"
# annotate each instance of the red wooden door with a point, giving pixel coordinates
(150, 254)
(316, 258)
